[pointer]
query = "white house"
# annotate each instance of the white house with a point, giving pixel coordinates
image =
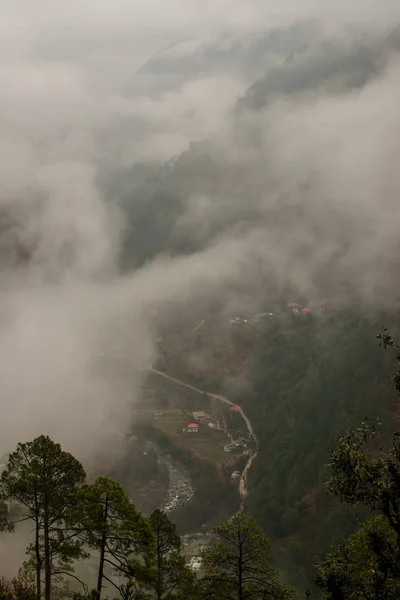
(195, 563)
(200, 414)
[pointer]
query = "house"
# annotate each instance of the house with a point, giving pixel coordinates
(241, 443)
(195, 563)
(200, 414)
(193, 428)
(212, 425)
(235, 475)
(237, 321)
(234, 408)
(234, 322)
(296, 308)
(157, 416)
(306, 311)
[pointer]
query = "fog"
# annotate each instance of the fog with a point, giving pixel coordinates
(75, 107)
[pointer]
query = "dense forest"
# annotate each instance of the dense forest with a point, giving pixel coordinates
(308, 381)
(138, 558)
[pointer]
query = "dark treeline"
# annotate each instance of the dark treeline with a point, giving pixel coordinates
(136, 558)
(311, 380)
(308, 381)
(139, 558)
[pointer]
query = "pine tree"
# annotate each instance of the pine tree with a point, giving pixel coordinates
(45, 481)
(171, 578)
(238, 566)
(117, 531)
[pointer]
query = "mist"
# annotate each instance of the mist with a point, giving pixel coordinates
(308, 193)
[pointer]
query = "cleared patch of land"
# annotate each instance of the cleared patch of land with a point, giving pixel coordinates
(207, 443)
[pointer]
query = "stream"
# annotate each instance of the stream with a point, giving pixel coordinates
(180, 489)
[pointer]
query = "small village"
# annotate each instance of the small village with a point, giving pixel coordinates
(209, 430)
(297, 309)
(238, 444)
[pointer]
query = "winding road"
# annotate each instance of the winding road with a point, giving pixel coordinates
(243, 489)
(199, 325)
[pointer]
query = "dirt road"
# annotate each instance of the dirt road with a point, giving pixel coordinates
(243, 490)
(199, 325)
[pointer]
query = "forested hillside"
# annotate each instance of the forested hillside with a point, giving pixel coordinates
(307, 380)
(332, 67)
(312, 380)
(234, 184)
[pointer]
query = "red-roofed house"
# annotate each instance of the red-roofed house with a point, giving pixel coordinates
(234, 408)
(193, 427)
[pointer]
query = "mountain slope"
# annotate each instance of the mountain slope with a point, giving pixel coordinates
(311, 381)
(329, 66)
(240, 54)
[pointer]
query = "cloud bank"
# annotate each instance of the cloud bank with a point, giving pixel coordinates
(308, 190)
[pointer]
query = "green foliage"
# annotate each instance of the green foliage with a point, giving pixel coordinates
(311, 380)
(4, 516)
(365, 567)
(92, 595)
(388, 342)
(239, 567)
(45, 481)
(21, 587)
(142, 559)
(357, 477)
(116, 530)
(170, 578)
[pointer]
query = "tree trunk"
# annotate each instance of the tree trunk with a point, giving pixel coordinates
(47, 557)
(159, 585)
(102, 551)
(38, 563)
(240, 569)
(37, 551)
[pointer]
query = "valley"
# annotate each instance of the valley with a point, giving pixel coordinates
(276, 369)
(199, 255)
(207, 428)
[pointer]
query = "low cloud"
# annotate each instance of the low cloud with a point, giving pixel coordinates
(308, 188)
